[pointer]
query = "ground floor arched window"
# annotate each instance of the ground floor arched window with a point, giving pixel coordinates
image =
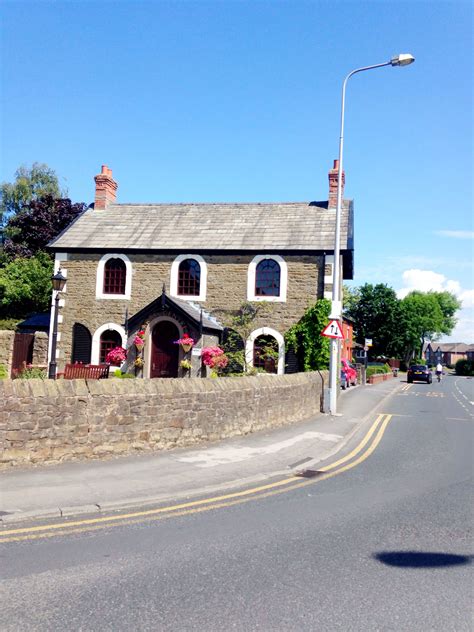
(109, 339)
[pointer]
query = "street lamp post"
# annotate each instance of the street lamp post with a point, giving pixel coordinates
(59, 281)
(336, 309)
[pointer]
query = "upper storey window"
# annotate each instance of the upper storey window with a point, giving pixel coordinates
(189, 278)
(114, 277)
(115, 274)
(267, 279)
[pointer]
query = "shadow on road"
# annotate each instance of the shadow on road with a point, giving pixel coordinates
(421, 559)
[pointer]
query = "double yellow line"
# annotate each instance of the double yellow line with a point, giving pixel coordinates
(363, 450)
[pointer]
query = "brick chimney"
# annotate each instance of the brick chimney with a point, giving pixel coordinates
(332, 201)
(105, 189)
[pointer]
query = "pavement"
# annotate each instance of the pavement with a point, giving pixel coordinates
(91, 487)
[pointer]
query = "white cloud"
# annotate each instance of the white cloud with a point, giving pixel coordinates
(426, 280)
(457, 234)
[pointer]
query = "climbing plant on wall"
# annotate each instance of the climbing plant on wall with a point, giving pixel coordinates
(305, 340)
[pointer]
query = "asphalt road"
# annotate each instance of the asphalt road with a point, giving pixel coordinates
(385, 544)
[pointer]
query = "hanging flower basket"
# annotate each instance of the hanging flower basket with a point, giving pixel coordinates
(186, 343)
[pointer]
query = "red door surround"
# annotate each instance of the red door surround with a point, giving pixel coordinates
(164, 353)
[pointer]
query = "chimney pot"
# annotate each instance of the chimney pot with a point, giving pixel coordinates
(105, 189)
(333, 177)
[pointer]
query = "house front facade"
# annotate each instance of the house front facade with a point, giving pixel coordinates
(169, 270)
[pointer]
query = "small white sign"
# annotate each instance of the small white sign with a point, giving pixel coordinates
(368, 342)
(196, 351)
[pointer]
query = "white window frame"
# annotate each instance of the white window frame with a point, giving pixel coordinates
(266, 331)
(251, 278)
(175, 276)
(99, 287)
(95, 351)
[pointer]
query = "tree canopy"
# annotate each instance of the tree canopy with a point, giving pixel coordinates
(30, 184)
(399, 327)
(37, 223)
(25, 286)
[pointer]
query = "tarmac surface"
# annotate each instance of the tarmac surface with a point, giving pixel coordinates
(95, 486)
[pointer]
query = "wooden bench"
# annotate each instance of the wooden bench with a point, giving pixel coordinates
(85, 371)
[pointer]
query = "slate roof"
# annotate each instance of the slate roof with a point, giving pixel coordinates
(297, 226)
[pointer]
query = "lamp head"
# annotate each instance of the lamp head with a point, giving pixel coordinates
(404, 59)
(59, 281)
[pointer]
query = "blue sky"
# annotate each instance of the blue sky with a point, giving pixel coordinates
(240, 101)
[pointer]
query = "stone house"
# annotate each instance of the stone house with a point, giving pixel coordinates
(175, 269)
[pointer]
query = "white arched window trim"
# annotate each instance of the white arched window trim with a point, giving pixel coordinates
(99, 287)
(175, 274)
(95, 352)
(251, 296)
(266, 331)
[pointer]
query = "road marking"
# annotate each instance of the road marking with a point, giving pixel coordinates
(406, 387)
(205, 504)
(235, 454)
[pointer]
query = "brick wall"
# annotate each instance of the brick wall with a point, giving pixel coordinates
(52, 421)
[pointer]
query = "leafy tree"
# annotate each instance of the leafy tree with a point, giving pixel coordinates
(240, 323)
(375, 310)
(305, 339)
(30, 184)
(25, 286)
(350, 298)
(426, 316)
(37, 223)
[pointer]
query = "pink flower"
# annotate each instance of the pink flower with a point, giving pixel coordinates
(116, 356)
(138, 341)
(214, 357)
(185, 340)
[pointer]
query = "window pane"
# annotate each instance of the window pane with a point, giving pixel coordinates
(189, 278)
(108, 341)
(265, 354)
(267, 278)
(115, 274)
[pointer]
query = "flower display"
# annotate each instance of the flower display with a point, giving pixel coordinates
(185, 365)
(138, 363)
(138, 342)
(185, 341)
(214, 357)
(116, 356)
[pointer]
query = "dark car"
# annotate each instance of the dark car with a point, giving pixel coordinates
(419, 373)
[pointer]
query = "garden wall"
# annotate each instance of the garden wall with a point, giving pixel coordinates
(50, 421)
(6, 348)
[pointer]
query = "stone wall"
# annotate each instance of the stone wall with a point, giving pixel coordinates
(50, 421)
(6, 348)
(226, 291)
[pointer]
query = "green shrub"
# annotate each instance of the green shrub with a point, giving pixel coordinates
(9, 323)
(3, 372)
(33, 373)
(464, 367)
(375, 369)
(118, 373)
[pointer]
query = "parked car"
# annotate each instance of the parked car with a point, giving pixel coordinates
(419, 373)
(350, 372)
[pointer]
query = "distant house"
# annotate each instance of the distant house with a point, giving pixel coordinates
(448, 353)
(347, 343)
(171, 269)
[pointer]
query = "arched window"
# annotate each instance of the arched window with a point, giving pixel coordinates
(109, 339)
(189, 278)
(115, 275)
(81, 344)
(267, 278)
(265, 353)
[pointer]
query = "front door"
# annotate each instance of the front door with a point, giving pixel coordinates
(164, 353)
